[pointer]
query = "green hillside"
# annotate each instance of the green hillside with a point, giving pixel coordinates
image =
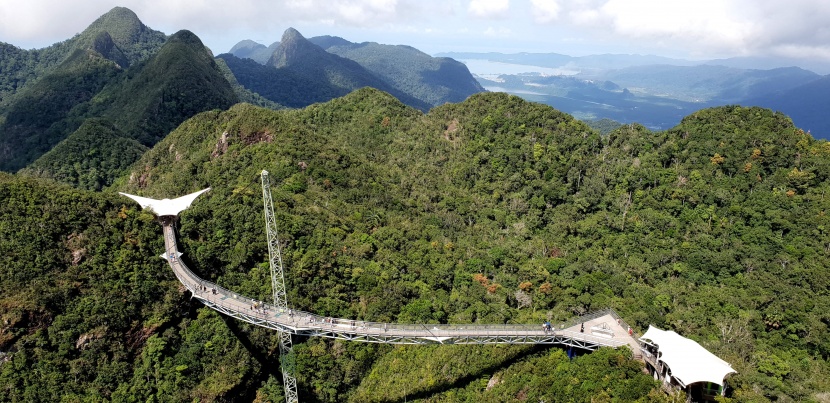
(153, 98)
(45, 93)
(298, 55)
(90, 158)
(143, 104)
(434, 80)
(38, 118)
(130, 42)
(494, 210)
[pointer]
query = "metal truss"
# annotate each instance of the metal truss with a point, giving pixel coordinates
(288, 321)
(278, 290)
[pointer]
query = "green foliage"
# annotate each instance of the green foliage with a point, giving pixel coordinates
(177, 82)
(37, 120)
(603, 126)
(89, 313)
(143, 103)
(605, 375)
(90, 158)
(434, 81)
(494, 210)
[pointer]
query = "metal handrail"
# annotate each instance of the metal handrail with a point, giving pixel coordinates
(305, 320)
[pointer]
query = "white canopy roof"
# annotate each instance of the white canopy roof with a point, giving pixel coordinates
(166, 206)
(689, 362)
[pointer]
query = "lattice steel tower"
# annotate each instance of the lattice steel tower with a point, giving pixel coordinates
(287, 361)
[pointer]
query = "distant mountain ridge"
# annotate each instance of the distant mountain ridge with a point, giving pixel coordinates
(298, 63)
(436, 80)
(248, 49)
(808, 105)
(655, 91)
(554, 60)
(416, 78)
(613, 61)
(707, 83)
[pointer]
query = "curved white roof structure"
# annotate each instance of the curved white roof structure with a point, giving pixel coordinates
(165, 207)
(689, 361)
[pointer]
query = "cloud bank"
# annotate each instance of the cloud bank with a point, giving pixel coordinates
(795, 28)
(740, 27)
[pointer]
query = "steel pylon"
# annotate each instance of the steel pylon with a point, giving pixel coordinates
(278, 289)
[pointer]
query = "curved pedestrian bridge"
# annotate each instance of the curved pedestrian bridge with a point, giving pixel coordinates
(600, 329)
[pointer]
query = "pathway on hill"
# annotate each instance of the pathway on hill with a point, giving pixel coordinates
(601, 329)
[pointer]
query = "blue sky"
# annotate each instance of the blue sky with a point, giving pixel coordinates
(699, 29)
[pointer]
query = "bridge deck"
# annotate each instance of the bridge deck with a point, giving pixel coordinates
(303, 323)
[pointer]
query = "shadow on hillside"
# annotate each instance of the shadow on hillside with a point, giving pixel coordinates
(465, 380)
(269, 366)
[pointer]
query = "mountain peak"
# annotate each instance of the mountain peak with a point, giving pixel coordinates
(121, 23)
(127, 33)
(246, 46)
(294, 48)
(186, 37)
(291, 34)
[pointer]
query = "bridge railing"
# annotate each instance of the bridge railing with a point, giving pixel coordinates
(296, 319)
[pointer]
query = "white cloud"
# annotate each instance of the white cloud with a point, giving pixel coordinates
(736, 27)
(545, 11)
(708, 28)
(489, 9)
(500, 32)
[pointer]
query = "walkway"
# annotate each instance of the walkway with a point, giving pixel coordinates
(603, 328)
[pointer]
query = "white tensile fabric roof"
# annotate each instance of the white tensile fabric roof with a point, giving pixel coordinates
(689, 361)
(165, 206)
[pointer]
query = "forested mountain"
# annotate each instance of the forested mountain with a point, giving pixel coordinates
(42, 87)
(118, 69)
(305, 59)
(177, 82)
(90, 158)
(143, 103)
(129, 41)
(435, 80)
(494, 210)
(37, 119)
(257, 52)
(416, 78)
